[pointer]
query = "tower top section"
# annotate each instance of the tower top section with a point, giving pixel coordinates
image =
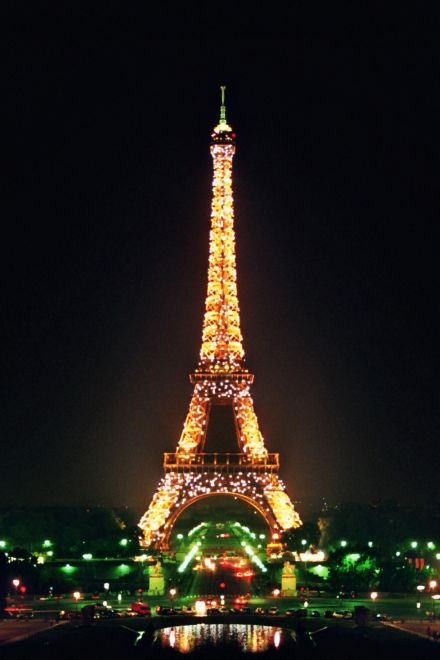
(223, 133)
(222, 351)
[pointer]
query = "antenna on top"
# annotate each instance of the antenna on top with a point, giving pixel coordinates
(223, 107)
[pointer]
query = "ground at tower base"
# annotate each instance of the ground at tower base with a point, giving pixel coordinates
(402, 567)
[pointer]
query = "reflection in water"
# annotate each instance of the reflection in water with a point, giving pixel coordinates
(247, 637)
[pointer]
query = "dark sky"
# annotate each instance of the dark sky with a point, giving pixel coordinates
(105, 247)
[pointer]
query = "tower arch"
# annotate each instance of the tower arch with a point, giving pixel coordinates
(264, 513)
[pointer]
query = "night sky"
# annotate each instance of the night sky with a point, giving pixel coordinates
(105, 249)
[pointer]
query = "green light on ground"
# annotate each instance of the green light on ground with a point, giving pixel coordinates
(188, 558)
(180, 536)
(370, 544)
(354, 556)
(68, 568)
(123, 569)
(431, 545)
(47, 543)
(414, 544)
(2, 544)
(196, 528)
(255, 559)
(87, 556)
(123, 542)
(262, 536)
(343, 544)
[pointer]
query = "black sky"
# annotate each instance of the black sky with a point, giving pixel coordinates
(105, 238)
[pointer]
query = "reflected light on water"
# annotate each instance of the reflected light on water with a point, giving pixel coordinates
(249, 638)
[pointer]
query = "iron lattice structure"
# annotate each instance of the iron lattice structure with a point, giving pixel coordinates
(221, 378)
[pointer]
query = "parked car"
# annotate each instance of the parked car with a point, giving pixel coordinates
(346, 594)
(164, 611)
(211, 611)
(273, 610)
(260, 610)
(315, 613)
(290, 612)
(343, 614)
(143, 609)
(301, 612)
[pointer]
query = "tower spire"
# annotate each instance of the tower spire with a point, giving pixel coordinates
(222, 130)
(223, 106)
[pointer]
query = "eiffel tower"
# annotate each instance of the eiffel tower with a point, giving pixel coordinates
(221, 378)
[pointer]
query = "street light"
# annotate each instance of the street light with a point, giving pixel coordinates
(77, 596)
(374, 596)
(173, 592)
(16, 583)
(276, 592)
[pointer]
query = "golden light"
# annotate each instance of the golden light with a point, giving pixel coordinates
(200, 607)
(374, 595)
(221, 375)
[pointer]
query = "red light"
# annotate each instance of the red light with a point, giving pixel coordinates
(222, 585)
(23, 589)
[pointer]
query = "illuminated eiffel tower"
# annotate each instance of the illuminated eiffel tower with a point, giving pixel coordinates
(221, 378)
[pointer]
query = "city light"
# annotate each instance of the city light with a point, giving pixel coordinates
(200, 607)
(414, 544)
(2, 544)
(87, 556)
(47, 543)
(374, 595)
(123, 542)
(343, 544)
